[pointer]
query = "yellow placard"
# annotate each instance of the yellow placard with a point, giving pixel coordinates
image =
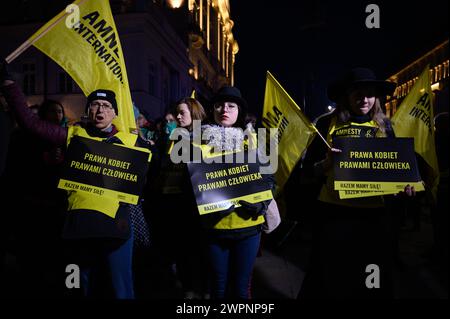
(222, 205)
(376, 186)
(98, 191)
(358, 194)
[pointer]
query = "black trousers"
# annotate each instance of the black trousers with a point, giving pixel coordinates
(346, 241)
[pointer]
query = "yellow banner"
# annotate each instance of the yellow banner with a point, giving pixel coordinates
(295, 131)
(90, 51)
(415, 118)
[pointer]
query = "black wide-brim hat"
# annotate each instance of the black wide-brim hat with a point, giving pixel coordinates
(356, 78)
(230, 94)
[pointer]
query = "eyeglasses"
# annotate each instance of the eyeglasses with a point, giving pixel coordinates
(95, 106)
(230, 107)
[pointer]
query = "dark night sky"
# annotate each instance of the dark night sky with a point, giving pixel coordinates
(307, 43)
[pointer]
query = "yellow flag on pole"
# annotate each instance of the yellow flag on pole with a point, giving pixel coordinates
(415, 118)
(89, 50)
(295, 130)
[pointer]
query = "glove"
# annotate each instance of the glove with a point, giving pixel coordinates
(4, 73)
(225, 212)
(254, 210)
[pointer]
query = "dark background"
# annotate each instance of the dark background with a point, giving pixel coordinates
(306, 44)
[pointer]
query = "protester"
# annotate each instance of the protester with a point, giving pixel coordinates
(439, 212)
(97, 229)
(349, 234)
(188, 241)
(36, 163)
(6, 128)
(53, 111)
(233, 235)
(143, 127)
(250, 122)
(170, 123)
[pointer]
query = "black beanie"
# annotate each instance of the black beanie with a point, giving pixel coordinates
(101, 94)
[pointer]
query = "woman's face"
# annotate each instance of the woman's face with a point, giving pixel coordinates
(141, 121)
(54, 114)
(169, 118)
(184, 118)
(226, 113)
(362, 99)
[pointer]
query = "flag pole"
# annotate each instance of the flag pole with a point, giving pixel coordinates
(24, 46)
(317, 131)
(18, 51)
(323, 139)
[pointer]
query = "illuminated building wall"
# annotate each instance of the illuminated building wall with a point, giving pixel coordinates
(212, 47)
(170, 48)
(438, 60)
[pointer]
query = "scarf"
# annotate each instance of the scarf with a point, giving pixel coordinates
(228, 139)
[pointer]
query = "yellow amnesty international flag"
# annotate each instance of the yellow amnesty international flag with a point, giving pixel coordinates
(85, 43)
(415, 118)
(295, 130)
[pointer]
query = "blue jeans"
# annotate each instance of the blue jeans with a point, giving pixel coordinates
(231, 262)
(116, 264)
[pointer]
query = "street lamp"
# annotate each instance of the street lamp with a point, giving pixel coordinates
(175, 4)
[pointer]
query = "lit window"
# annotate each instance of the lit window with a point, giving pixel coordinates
(175, 4)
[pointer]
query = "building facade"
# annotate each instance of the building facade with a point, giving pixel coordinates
(438, 61)
(170, 47)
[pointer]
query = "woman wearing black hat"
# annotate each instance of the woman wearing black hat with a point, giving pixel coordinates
(349, 234)
(98, 229)
(233, 235)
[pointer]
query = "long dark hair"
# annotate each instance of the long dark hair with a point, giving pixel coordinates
(45, 107)
(376, 113)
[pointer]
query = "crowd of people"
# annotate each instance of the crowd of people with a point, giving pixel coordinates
(208, 256)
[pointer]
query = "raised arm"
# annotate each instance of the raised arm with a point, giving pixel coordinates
(15, 98)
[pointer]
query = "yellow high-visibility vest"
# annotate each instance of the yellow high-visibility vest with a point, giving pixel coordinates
(85, 201)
